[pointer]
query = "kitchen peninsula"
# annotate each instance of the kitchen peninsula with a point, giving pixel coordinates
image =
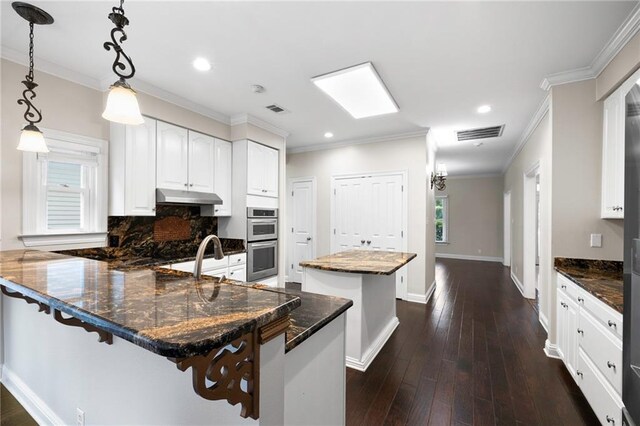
(238, 346)
(368, 278)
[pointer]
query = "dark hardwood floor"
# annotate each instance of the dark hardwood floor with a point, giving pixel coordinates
(11, 412)
(471, 356)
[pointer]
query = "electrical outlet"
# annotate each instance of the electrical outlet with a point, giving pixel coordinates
(596, 240)
(114, 241)
(79, 417)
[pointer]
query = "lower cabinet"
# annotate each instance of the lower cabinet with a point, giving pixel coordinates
(591, 348)
(233, 267)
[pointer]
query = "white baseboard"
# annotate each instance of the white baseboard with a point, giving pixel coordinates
(469, 257)
(31, 402)
(376, 346)
(551, 350)
(543, 320)
(518, 284)
(422, 298)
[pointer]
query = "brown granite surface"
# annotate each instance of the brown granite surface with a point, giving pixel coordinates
(361, 262)
(601, 278)
(165, 312)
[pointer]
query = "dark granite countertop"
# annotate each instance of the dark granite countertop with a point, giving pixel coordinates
(361, 262)
(165, 312)
(601, 278)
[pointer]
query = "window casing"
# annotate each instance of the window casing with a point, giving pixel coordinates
(65, 192)
(442, 219)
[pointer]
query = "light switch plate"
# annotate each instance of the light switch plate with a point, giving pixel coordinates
(596, 240)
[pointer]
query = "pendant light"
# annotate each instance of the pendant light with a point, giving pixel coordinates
(31, 138)
(122, 104)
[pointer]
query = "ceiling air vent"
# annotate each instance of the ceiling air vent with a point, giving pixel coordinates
(277, 109)
(483, 133)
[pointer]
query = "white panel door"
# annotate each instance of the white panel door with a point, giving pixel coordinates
(172, 157)
(140, 169)
(222, 177)
(255, 169)
(350, 204)
(201, 162)
(302, 226)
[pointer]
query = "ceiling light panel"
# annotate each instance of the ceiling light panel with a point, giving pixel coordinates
(359, 90)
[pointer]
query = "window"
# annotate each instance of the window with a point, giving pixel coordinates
(442, 219)
(65, 192)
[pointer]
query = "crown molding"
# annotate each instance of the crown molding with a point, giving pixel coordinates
(102, 85)
(264, 125)
(620, 38)
(531, 127)
(374, 139)
(475, 176)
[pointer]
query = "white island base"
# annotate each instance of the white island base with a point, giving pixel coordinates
(372, 318)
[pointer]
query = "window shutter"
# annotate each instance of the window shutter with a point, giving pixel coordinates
(64, 196)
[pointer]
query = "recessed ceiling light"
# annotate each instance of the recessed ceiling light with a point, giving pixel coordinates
(328, 135)
(201, 64)
(359, 90)
(484, 109)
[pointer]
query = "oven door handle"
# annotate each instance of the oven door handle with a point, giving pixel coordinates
(258, 245)
(263, 220)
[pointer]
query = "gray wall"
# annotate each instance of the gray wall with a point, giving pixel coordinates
(475, 216)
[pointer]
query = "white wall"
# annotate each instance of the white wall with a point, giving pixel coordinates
(475, 216)
(408, 154)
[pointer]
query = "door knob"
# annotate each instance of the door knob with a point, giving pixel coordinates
(308, 238)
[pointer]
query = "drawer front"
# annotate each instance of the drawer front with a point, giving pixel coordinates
(604, 349)
(570, 288)
(212, 263)
(237, 259)
(602, 398)
(219, 273)
(238, 273)
(608, 317)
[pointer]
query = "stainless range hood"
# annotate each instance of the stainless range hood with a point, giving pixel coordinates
(174, 196)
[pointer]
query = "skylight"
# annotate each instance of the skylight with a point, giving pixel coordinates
(359, 90)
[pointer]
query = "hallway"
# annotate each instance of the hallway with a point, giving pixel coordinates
(472, 355)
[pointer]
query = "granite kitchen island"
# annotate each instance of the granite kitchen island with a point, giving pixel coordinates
(368, 278)
(113, 336)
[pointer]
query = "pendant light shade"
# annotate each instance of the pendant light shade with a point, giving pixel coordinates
(122, 105)
(32, 139)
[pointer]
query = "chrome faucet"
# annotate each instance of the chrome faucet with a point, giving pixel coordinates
(217, 254)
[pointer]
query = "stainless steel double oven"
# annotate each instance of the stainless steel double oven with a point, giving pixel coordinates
(262, 243)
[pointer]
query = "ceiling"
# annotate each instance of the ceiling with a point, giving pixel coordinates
(440, 60)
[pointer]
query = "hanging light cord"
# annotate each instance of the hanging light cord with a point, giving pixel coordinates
(32, 114)
(123, 62)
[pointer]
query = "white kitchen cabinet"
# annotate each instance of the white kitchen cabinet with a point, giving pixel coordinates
(222, 176)
(238, 272)
(233, 266)
(591, 348)
(612, 198)
(201, 162)
(132, 171)
(172, 157)
(262, 170)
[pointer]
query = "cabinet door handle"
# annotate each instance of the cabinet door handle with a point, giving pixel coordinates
(580, 299)
(186, 184)
(190, 184)
(564, 305)
(611, 365)
(612, 324)
(580, 331)
(611, 420)
(579, 373)
(362, 242)
(368, 242)
(563, 286)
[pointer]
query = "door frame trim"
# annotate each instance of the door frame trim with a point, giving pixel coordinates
(405, 214)
(529, 230)
(314, 225)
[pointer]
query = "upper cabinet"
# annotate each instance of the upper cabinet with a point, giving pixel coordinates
(185, 159)
(172, 156)
(222, 177)
(262, 170)
(132, 171)
(612, 201)
(201, 162)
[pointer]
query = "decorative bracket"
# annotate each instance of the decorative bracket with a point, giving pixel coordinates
(231, 373)
(41, 306)
(103, 336)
